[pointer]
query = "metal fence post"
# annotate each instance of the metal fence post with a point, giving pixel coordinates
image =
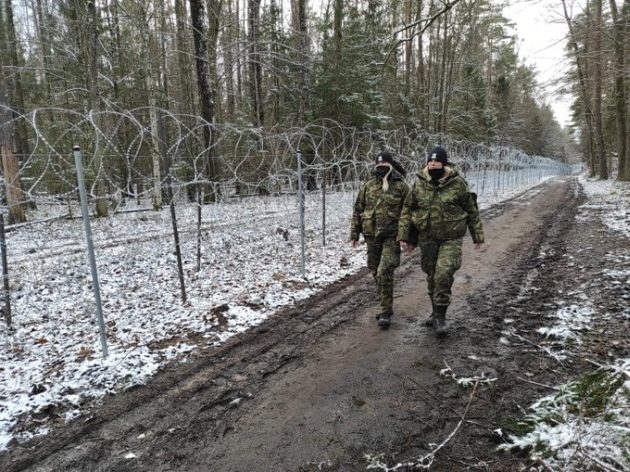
(178, 252)
(5, 273)
(90, 247)
(324, 208)
(301, 211)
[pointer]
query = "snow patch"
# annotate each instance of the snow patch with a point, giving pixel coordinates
(572, 432)
(570, 321)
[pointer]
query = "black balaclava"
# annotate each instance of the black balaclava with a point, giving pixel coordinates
(382, 171)
(383, 167)
(438, 154)
(437, 174)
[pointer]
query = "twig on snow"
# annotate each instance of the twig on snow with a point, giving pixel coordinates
(425, 462)
(548, 351)
(606, 467)
(466, 381)
(539, 461)
(539, 384)
(432, 395)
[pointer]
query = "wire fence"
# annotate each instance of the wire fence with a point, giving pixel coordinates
(226, 181)
(126, 158)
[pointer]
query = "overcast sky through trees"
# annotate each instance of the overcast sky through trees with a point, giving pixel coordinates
(542, 33)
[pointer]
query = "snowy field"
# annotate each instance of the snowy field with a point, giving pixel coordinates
(50, 362)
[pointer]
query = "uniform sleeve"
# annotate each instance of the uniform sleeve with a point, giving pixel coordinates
(359, 206)
(404, 223)
(469, 203)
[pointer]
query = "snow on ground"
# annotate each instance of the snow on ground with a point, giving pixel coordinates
(569, 321)
(50, 362)
(611, 199)
(586, 424)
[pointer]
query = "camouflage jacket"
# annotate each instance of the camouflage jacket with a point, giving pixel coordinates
(441, 210)
(376, 211)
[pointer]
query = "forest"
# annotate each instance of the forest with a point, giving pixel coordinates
(223, 92)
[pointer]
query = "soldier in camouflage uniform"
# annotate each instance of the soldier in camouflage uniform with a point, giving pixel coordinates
(435, 216)
(376, 212)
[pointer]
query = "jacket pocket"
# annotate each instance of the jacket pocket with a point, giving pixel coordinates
(368, 226)
(420, 219)
(453, 225)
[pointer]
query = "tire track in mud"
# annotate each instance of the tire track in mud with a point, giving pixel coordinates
(211, 376)
(195, 416)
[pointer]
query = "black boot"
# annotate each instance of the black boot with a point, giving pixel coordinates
(441, 329)
(384, 320)
(430, 321)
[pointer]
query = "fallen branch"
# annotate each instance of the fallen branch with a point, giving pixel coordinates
(425, 462)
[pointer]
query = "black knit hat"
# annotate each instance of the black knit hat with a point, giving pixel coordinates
(438, 154)
(384, 157)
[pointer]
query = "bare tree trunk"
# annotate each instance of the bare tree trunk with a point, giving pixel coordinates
(434, 74)
(205, 92)
(10, 165)
(114, 31)
(239, 66)
(255, 68)
(16, 92)
(584, 89)
(443, 69)
(626, 21)
(150, 51)
(337, 35)
(597, 93)
(300, 34)
(43, 49)
(421, 91)
(408, 51)
(620, 90)
(229, 39)
(454, 44)
(186, 94)
(94, 104)
(275, 24)
(162, 31)
(156, 155)
(214, 16)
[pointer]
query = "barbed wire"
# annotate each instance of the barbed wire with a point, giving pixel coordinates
(240, 161)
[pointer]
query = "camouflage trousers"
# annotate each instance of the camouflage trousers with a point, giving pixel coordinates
(383, 256)
(440, 260)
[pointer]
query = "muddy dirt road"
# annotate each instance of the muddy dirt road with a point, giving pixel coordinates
(319, 386)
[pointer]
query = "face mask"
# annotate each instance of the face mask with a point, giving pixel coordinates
(381, 171)
(436, 174)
